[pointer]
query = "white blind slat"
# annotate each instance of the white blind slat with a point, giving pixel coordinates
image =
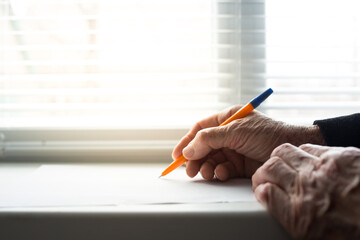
(314, 105)
(209, 53)
(49, 107)
(111, 59)
(313, 59)
(114, 78)
(109, 91)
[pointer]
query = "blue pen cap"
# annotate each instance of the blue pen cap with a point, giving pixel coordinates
(259, 99)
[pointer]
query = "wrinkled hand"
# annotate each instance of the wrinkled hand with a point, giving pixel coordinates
(314, 191)
(238, 148)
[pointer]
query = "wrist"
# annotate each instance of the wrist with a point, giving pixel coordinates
(299, 135)
(315, 135)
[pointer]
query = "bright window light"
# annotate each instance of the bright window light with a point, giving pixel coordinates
(108, 63)
(313, 58)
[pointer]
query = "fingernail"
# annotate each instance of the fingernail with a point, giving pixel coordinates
(188, 152)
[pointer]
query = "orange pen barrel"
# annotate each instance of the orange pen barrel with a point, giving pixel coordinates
(242, 112)
(174, 165)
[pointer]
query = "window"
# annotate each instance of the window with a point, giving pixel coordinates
(113, 78)
(126, 79)
(117, 64)
(313, 59)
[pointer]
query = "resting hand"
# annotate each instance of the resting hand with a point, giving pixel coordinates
(313, 191)
(238, 148)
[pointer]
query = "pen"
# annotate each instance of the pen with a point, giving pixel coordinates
(244, 111)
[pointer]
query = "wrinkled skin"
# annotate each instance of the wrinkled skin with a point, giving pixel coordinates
(314, 191)
(240, 147)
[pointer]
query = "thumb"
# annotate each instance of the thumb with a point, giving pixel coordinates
(204, 142)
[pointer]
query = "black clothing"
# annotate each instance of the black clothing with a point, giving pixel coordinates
(341, 131)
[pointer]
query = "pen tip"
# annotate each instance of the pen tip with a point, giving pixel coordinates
(160, 176)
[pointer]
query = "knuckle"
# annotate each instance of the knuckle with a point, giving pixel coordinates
(196, 126)
(258, 174)
(264, 191)
(267, 187)
(272, 163)
(202, 135)
(329, 168)
(305, 146)
(282, 148)
(286, 146)
(343, 158)
(351, 152)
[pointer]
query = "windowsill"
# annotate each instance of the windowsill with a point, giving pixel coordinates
(130, 221)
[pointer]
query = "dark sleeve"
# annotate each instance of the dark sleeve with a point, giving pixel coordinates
(341, 131)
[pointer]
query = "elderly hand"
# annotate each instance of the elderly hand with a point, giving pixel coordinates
(313, 191)
(240, 147)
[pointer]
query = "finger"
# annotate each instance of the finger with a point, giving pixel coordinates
(276, 171)
(207, 169)
(177, 151)
(209, 164)
(276, 201)
(315, 150)
(295, 157)
(193, 167)
(212, 121)
(232, 167)
(225, 170)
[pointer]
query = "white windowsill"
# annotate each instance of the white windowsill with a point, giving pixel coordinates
(159, 221)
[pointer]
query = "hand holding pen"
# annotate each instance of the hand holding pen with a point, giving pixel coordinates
(238, 148)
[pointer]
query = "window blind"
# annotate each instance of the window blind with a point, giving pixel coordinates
(110, 63)
(312, 59)
(117, 77)
(112, 77)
